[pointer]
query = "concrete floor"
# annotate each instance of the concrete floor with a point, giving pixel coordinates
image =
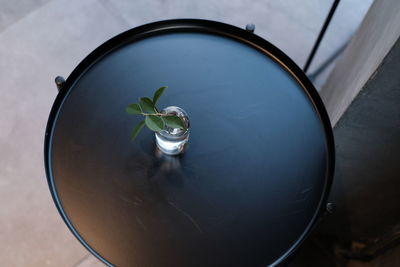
(40, 39)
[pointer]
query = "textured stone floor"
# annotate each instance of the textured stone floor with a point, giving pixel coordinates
(40, 39)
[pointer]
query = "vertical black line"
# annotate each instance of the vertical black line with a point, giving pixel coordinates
(321, 35)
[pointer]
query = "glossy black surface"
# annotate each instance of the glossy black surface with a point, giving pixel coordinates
(254, 177)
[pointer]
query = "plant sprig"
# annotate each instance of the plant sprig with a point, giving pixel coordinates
(153, 119)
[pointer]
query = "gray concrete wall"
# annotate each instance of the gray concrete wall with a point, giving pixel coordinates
(366, 187)
(365, 52)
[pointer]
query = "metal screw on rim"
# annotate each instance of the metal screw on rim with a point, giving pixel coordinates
(330, 208)
(60, 81)
(250, 27)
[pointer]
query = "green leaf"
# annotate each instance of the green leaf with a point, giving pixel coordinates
(137, 130)
(154, 123)
(158, 93)
(133, 109)
(147, 105)
(174, 122)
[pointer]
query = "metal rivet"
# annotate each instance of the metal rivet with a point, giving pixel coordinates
(330, 208)
(60, 81)
(250, 27)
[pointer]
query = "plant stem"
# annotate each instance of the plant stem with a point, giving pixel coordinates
(157, 114)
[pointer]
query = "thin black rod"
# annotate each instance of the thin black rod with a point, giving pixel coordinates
(312, 76)
(321, 35)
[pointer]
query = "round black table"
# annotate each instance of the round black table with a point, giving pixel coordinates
(255, 176)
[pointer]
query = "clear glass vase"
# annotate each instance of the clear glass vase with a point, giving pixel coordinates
(173, 141)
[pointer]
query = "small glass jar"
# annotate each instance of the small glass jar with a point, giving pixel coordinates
(173, 141)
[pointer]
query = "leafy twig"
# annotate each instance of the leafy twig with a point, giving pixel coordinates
(153, 119)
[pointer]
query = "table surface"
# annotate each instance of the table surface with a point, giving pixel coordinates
(255, 175)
